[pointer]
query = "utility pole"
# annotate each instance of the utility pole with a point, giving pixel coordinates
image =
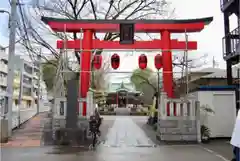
(11, 55)
(39, 79)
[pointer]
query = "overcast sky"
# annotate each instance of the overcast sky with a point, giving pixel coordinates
(209, 40)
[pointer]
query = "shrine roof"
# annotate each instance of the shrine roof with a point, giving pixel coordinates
(206, 20)
(174, 25)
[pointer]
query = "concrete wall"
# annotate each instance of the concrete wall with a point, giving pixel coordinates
(221, 122)
(176, 129)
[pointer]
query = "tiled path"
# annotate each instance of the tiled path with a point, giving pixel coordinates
(28, 135)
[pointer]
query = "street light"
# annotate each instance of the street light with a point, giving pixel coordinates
(4, 11)
(9, 15)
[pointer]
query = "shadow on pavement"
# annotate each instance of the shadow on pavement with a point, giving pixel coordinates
(67, 150)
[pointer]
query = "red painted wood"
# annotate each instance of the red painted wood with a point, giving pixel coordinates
(85, 66)
(154, 44)
(167, 64)
(168, 108)
(139, 27)
(175, 108)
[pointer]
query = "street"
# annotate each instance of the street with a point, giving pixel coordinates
(122, 139)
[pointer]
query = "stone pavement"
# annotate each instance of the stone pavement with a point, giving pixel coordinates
(122, 139)
(29, 134)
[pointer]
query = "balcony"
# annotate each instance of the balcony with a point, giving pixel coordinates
(233, 41)
(229, 6)
(3, 68)
(16, 93)
(35, 94)
(28, 70)
(3, 81)
(35, 75)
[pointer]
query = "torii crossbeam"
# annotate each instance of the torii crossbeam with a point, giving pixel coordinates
(154, 44)
(163, 27)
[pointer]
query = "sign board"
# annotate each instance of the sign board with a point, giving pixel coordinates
(235, 141)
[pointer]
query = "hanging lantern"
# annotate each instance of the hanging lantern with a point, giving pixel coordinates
(97, 61)
(158, 61)
(115, 61)
(142, 61)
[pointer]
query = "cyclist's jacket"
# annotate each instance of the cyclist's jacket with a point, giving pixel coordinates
(93, 125)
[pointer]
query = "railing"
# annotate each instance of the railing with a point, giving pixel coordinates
(223, 3)
(174, 108)
(3, 68)
(234, 39)
(3, 81)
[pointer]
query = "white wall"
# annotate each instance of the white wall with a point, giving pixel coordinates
(221, 122)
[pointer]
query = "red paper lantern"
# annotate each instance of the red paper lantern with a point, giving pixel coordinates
(142, 61)
(115, 61)
(97, 61)
(158, 61)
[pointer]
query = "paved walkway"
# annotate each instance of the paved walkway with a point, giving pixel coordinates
(125, 140)
(29, 134)
(125, 133)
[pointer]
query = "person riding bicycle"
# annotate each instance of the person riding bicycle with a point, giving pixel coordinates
(95, 121)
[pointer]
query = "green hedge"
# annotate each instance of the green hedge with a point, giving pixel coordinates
(138, 113)
(107, 113)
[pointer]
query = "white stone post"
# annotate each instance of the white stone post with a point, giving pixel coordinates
(162, 106)
(198, 124)
(90, 104)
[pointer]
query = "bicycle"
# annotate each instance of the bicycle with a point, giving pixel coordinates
(95, 133)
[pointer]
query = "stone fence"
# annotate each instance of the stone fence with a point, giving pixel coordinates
(179, 120)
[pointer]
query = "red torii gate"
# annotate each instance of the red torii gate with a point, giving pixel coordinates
(163, 27)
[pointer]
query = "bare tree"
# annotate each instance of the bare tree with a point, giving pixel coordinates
(32, 32)
(182, 64)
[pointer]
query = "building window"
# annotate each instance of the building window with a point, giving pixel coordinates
(27, 91)
(27, 80)
(29, 103)
(28, 69)
(16, 102)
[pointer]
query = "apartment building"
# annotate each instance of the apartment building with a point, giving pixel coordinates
(231, 43)
(27, 77)
(25, 80)
(3, 71)
(42, 87)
